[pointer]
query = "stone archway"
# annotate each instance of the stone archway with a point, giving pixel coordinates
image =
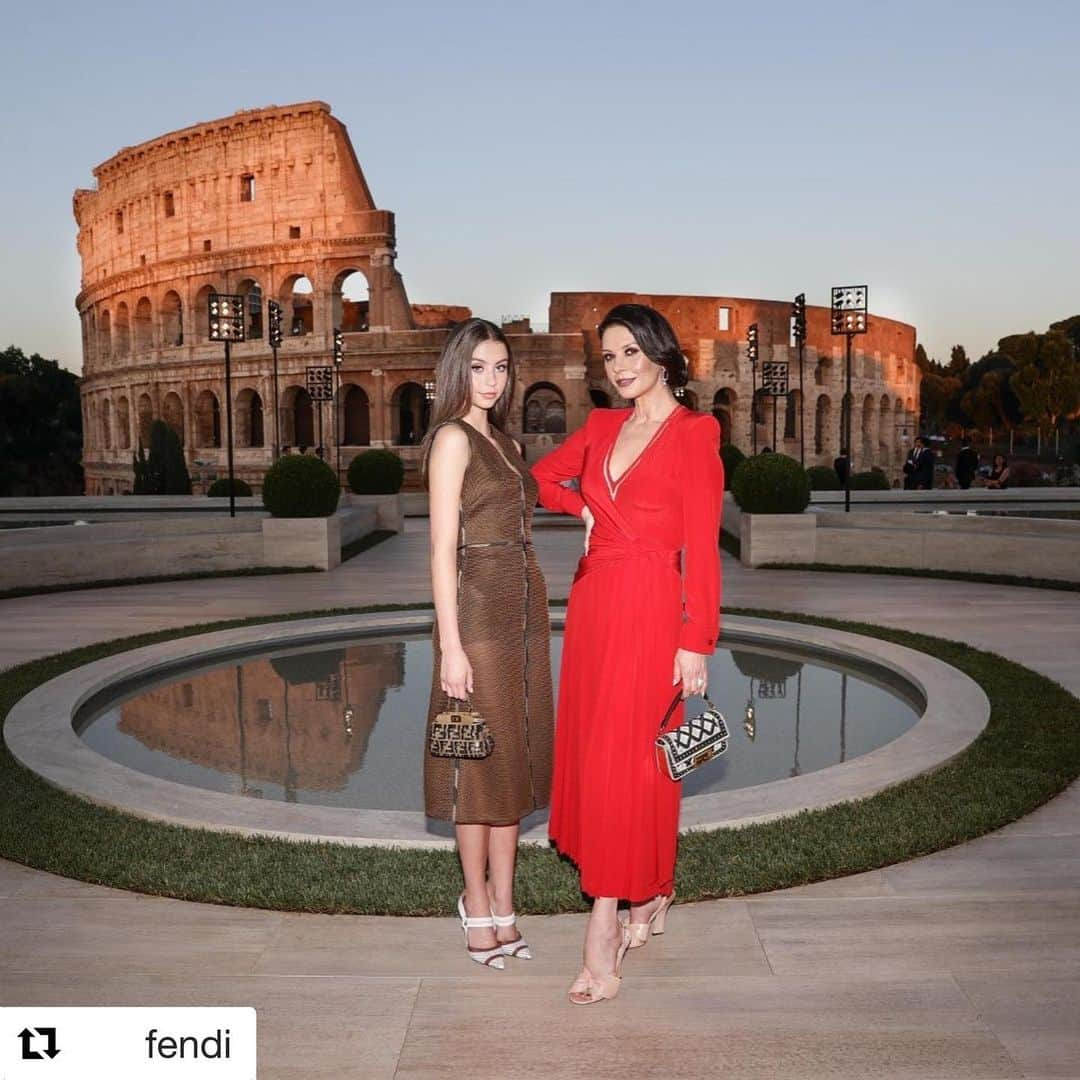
(350, 298)
(355, 417)
(543, 410)
(723, 408)
(410, 411)
(207, 420)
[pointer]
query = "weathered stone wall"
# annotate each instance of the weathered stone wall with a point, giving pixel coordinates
(248, 204)
(256, 202)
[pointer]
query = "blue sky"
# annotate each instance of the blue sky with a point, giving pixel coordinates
(927, 149)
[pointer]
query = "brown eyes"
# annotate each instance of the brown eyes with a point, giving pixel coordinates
(630, 350)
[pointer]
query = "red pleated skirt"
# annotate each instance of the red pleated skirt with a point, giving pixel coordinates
(612, 811)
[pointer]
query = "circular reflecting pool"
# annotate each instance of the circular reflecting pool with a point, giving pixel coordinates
(344, 725)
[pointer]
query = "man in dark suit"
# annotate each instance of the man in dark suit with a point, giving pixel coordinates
(967, 463)
(910, 463)
(924, 465)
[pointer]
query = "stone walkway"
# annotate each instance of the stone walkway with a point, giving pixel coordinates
(961, 964)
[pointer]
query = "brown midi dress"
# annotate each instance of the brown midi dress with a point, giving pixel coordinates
(503, 622)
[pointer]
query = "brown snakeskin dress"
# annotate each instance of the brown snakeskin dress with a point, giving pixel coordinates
(503, 622)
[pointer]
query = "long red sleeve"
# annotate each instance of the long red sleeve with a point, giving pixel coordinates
(565, 462)
(703, 498)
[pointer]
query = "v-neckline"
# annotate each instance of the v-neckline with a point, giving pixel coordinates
(613, 488)
(497, 449)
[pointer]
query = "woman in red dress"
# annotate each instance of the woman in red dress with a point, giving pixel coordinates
(643, 615)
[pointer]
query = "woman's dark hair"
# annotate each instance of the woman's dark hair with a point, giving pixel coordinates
(654, 335)
(453, 381)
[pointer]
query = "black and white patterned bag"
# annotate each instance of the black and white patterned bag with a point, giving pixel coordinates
(692, 743)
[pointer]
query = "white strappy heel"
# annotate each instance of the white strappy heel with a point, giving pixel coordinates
(519, 947)
(487, 957)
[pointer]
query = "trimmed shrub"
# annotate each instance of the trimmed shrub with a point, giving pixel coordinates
(732, 457)
(220, 488)
(1030, 474)
(873, 480)
(300, 486)
(771, 484)
(822, 478)
(376, 472)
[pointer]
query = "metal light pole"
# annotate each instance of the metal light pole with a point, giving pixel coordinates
(774, 382)
(274, 313)
(798, 326)
(752, 355)
(226, 312)
(849, 317)
(339, 356)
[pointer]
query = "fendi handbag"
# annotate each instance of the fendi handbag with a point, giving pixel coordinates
(460, 733)
(698, 740)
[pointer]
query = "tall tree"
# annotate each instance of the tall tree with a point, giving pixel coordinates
(958, 360)
(40, 426)
(1047, 379)
(922, 361)
(935, 393)
(991, 403)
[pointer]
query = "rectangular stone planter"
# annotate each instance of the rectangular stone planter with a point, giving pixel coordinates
(388, 509)
(302, 542)
(777, 538)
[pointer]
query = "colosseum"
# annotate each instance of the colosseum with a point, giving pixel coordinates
(271, 204)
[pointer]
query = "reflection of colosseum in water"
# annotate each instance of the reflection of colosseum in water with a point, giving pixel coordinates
(272, 204)
(282, 720)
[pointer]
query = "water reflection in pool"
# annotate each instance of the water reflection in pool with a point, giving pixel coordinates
(344, 726)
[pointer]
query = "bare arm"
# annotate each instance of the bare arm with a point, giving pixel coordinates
(446, 474)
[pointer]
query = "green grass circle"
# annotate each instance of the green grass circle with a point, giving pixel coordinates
(1028, 753)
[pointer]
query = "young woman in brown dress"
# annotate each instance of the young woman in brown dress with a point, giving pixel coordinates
(491, 639)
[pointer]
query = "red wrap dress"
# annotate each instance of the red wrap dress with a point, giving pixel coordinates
(650, 584)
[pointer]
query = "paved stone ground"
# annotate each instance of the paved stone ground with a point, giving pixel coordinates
(962, 964)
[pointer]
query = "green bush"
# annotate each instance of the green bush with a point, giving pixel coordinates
(300, 486)
(376, 472)
(732, 457)
(873, 480)
(771, 484)
(822, 478)
(220, 488)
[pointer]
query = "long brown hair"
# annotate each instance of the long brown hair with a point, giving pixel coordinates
(453, 381)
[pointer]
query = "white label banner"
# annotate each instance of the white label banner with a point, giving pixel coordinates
(121, 1043)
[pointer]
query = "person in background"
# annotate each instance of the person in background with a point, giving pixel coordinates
(841, 465)
(924, 466)
(909, 465)
(967, 463)
(999, 474)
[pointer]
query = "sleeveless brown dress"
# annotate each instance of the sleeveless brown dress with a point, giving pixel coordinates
(503, 622)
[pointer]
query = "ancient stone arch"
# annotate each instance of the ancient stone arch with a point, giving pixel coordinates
(248, 419)
(543, 409)
(207, 420)
(355, 416)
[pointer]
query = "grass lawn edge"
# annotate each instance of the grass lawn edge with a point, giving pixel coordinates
(1028, 753)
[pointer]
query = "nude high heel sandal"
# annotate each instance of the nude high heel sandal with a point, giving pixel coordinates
(487, 957)
(589, 988)
(519, 947)
(639, 931)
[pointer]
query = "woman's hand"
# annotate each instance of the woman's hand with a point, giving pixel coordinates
(587, 517)
(456, 674)
(690, 671)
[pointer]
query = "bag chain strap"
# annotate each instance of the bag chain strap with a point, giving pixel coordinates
(675, 702)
